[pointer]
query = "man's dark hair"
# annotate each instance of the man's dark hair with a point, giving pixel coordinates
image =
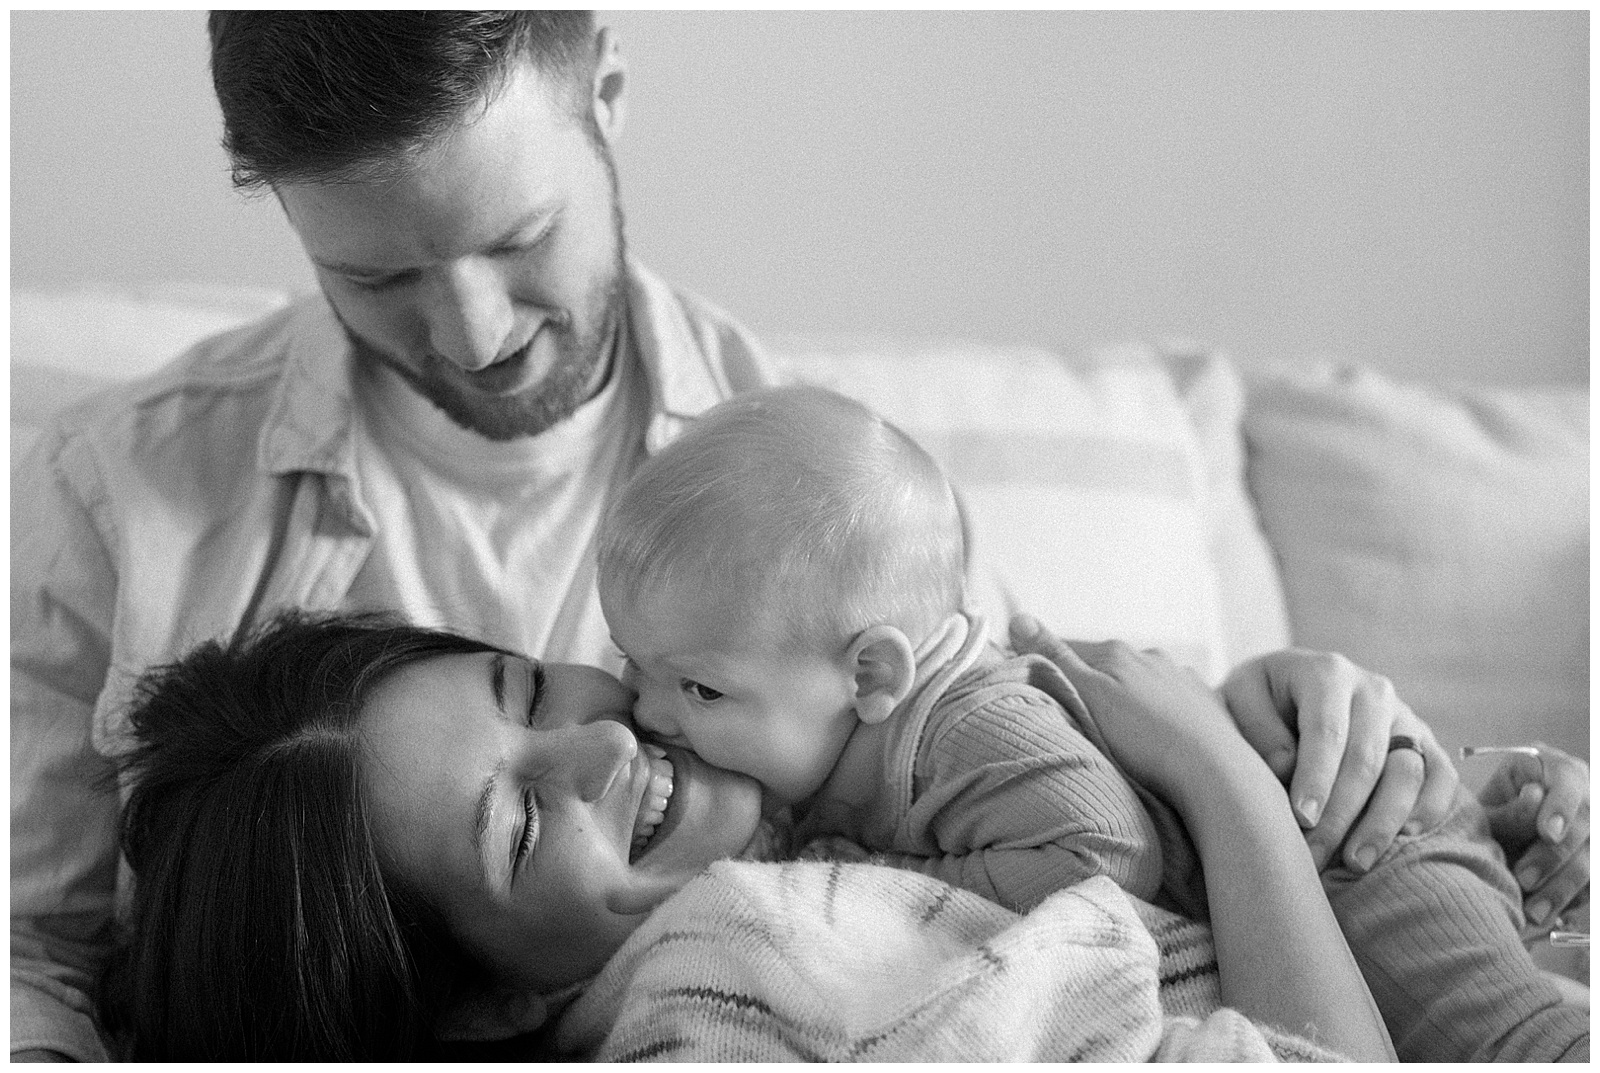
(262, 927)
(320, 96)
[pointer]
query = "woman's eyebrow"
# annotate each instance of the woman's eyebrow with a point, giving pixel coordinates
(497, 681)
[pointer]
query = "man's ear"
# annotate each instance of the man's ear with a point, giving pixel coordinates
(609, 89)
(883, 670)
(488, 1014)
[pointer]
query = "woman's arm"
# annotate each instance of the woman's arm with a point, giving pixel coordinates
(1281, 956)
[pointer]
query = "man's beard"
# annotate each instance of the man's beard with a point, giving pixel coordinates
(583, 351)
(573, 378)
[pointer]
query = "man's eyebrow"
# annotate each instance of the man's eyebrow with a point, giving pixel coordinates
(539, 215)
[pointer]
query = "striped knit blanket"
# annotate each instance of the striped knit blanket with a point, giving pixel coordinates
(824, 961)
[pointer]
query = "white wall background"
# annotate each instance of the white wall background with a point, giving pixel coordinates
(1408, 190)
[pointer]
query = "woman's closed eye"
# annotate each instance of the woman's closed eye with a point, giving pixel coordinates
(530, 828)
(700, 691)
(530, 805)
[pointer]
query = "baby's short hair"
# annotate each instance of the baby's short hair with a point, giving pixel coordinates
(800, 496)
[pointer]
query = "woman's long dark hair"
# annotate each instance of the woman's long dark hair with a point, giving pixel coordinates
(261, 925)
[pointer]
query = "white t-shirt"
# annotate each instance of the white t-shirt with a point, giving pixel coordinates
(520, 517)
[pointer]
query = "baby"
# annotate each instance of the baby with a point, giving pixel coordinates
(786, 584)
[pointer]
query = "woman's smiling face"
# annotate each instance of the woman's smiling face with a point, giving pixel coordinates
(511, 797)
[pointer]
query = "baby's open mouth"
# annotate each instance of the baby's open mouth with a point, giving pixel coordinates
(653, 805)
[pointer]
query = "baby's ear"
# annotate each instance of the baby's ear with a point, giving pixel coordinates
(883, 669)
(485, 1015)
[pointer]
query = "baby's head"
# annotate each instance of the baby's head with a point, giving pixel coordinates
(768, 575)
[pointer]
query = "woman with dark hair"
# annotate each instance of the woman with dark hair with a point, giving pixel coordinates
(259, 887)
(351, 838)
(266, 922)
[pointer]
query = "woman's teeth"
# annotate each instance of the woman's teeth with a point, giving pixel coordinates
(653, 806)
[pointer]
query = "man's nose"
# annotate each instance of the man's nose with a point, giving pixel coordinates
(596, 754)
(469, 314)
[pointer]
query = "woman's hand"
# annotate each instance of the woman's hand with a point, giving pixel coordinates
(1324, 725)
(1281, 957)
(1158, 719)
(1539, 812)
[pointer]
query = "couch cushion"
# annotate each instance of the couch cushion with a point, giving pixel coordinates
(1438, 536)
(1254, 619)
(1089, 492)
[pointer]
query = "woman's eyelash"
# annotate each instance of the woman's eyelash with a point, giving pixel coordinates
(530, 806)
(530, 826)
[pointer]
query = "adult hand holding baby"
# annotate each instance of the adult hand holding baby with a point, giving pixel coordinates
(1329, 729)
(1359, 764)
(1170, 732)
(1325, 727)
(1155, 716)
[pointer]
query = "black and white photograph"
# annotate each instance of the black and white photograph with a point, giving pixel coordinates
(555, 535)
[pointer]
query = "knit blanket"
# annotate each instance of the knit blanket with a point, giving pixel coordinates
(826, 961)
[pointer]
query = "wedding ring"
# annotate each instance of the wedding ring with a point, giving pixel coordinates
(1405, 741)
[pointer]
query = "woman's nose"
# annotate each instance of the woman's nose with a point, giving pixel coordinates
(469, 314)
(629, 676)
(652, 715)
(596, 754)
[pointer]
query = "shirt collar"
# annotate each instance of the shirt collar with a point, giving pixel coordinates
(310, 426)
(312, 422)
(680, 362)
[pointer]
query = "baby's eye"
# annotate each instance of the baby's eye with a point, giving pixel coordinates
(703, 693)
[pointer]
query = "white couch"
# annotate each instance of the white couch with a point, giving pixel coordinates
(1438, 535)
(1154, 492)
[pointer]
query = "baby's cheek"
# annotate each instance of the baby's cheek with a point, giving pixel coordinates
(729, 749)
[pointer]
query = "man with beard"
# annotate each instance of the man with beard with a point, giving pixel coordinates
(434, 433)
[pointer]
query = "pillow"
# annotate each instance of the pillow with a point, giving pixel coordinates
(1254, 619)
(1440, 537)
(1089, 496)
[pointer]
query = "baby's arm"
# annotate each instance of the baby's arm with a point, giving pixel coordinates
(1014, 803)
